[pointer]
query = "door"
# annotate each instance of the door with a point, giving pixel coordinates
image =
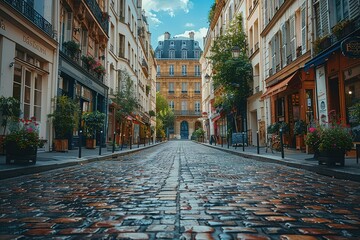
(184, 130)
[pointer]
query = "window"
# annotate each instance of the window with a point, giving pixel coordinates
(172, 43)
(172, 105)
(184, 70)
(121, 46)
(197, 87)
(184, 87)
(197, 107)
(27, 88)
(184, 54)
(158, 54)
(197, 70)
(196, 54)
(171, 87)
(172, 54)
(303, 28)
(158, 70)
(171, 70)
(342, 10)
(183, 105)
(158, 87)
(66, 26)
(321, 10)
(292, 38)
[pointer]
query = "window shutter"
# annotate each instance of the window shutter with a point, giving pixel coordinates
(69, 21)
(277, 51)
(292, 38)
(303, 29)
(324, 14)
(273, 54)
(283, 31)
(354, 8)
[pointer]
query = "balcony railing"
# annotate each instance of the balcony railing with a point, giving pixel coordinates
(186, 113)
(256, 46)
(29, 12)
(111, 48)
(76, 59)
(179, 74)
(101, 17)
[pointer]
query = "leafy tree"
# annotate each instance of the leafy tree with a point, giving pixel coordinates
(9, 110)
(164, 112)
(211, 12)
(233, 75)
(125, 98)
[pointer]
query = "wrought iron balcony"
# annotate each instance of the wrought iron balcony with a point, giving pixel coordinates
(101, 17)
(179, 74)
(32, 15)
(187, 113)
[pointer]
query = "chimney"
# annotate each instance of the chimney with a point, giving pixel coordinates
(166, 36)
(191, 35)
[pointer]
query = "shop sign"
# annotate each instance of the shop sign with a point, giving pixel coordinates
(2, 24)
(350, 47)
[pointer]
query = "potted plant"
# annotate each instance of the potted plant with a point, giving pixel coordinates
(299, 131)
(22, 142)
(93, 122)
(342, 29)
(64, 119)
(273, 128)
(322, 43)
(88, 61)
(312, 140)
(9, 110)
(72, 48)
(335, 140)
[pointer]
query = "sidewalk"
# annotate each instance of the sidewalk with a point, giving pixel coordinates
(297, 159)
(52, 160)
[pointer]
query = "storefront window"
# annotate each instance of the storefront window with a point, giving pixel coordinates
(309, 105)
(352, 95)
(280, 108)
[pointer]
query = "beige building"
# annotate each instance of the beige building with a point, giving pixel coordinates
(179, 81)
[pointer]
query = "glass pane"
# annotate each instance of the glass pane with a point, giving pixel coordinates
(28, 78)
(17, 91)
(38, 81)
(37, 98)
(27, 95)
(26, 111)
(37, 113)
(17, 73)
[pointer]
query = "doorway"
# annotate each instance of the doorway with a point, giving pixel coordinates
(184, 130)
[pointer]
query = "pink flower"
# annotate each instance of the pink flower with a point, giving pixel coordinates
(312, 129)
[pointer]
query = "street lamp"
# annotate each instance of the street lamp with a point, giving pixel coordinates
(235, 52)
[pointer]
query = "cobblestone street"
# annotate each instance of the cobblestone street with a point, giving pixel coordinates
(179, 190)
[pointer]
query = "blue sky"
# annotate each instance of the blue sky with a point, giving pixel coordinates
(178, 17)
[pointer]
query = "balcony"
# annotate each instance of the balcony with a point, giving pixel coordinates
(75, 59)
(101, 17)
(270, 72)
(29, 13)
(256, 46)
(179, 74)
(187, 113)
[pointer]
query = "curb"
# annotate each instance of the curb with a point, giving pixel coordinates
(11, 173)
(322, 170)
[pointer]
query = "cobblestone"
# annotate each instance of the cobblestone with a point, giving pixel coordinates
(179, 190)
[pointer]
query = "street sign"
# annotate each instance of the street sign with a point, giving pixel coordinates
(350, 47)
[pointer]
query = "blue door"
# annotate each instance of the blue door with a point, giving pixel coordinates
(184, 130)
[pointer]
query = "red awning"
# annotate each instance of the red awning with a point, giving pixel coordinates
(216, 118)
(279, 87)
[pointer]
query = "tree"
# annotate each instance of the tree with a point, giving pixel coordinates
(125, 98)
(164, 112)
(9, 110)
(233, 75)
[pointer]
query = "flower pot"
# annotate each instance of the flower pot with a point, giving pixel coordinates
(332, 158)
(14, 154)
(299, 142)
(61, 145)
(90, 143)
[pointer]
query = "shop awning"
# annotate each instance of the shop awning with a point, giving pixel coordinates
(216, 118)
(321, 58)
(279, 87)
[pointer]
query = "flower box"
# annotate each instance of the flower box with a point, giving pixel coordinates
(15, 154)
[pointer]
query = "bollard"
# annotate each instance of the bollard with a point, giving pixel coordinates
(228, 141)
(138, 142)
(122, 141)
(113, 147)
(243, 141)
(281, 143)
(222, 142)
(100, 142)
(144, 141)
(130, 142)
(80, 131)
(257, 142)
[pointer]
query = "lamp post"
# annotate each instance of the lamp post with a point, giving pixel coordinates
(101, 132)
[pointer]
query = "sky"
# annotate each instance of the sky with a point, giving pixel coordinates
(178, 17)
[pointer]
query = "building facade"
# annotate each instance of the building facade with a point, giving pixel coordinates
(29, 34)
(179, 81)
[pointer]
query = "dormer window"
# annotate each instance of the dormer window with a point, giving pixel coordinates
(160, 43)
(184, 43)
(195, 44)
(172, 43)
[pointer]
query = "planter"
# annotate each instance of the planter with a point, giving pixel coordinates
(16, 155)
(61, 145)
(2, 144)
(90, 143)
(332, 158)
(299, 142)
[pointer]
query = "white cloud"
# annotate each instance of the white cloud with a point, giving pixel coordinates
(189, 25)
(153, 6)
(153, 18)
(199, 35)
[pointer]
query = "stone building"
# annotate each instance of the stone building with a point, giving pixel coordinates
(179, 81)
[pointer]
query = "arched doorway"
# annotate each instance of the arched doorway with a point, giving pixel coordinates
(197, 125)
(184, 130)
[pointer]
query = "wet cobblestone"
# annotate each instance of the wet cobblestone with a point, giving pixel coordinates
(179, 190)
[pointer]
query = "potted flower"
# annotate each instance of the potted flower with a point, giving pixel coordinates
(342, 29)
(72, 48)
(98, 69)
(299, 131)
(273, 128)
(88, 61)
(9, 110)
(22, 142)
(93, 122)
(64, 119)
(335, 140)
